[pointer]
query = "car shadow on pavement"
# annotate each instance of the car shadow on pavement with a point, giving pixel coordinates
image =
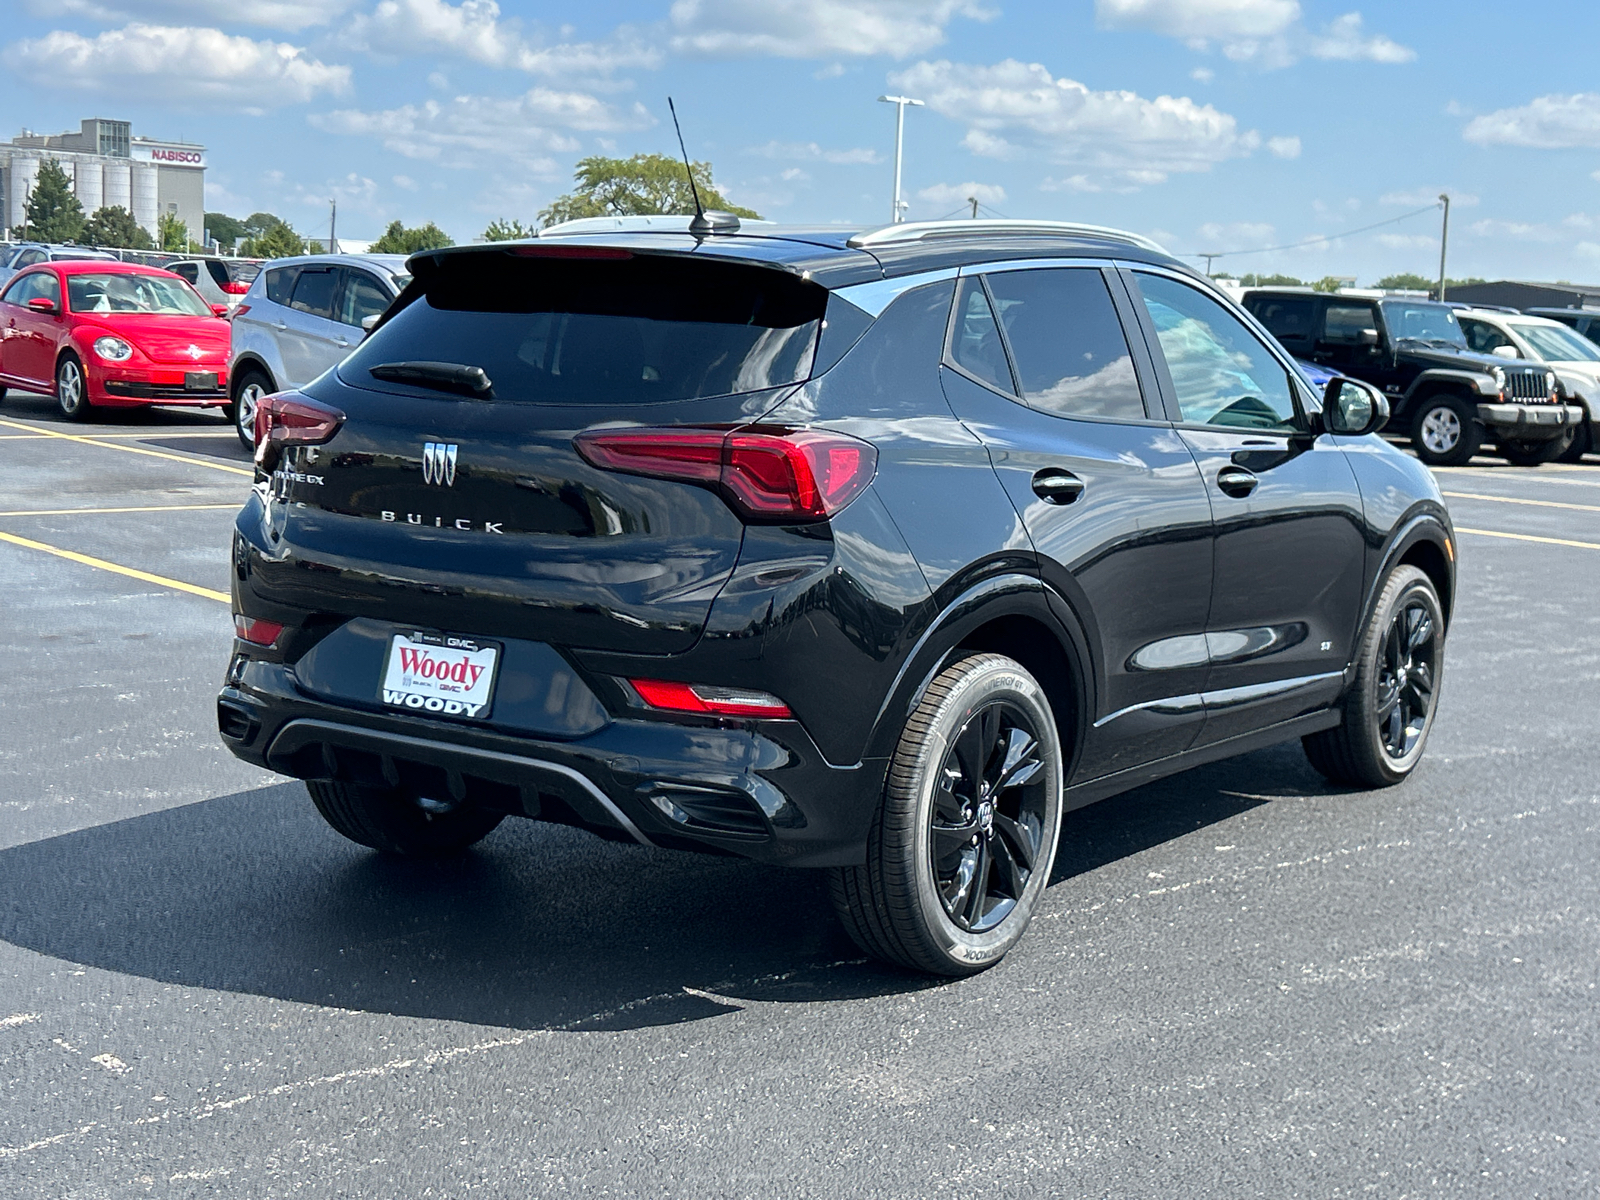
(538, 927)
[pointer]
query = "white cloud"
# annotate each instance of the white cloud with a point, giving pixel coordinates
(813, 152)
(1014, 109)
(474, 30)
(816, 28)
(271, 14)
(1244, 235)
(406, 182)
(177, 64)
(1284, 147)
(1202, 74)
(1407, 241)
(1418, 197)
(1546, 123)
(1269, 33)
(951, 195)
(472, 131)
(1520, 231)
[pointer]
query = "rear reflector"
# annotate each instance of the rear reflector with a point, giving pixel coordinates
(256, 631)
(714, 701)
(765, 474)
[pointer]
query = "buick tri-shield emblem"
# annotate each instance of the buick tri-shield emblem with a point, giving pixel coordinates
(439, 463)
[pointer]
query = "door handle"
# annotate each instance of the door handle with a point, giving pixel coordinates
(1055, 486)
(281, 326)
(341, 343)
(1236, 482)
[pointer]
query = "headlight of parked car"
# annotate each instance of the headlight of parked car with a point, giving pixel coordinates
(1499, 377)
(113, 349)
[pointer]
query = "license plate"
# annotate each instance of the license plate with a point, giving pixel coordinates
(440, 674)
(200, 381)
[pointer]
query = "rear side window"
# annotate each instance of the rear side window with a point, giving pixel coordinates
(189, 270)
(975, 343)
(363, 297)
(280, 284)
(1345, 324)
(313, 291)
(1071, 355)
(1288, 320)
(616, 329)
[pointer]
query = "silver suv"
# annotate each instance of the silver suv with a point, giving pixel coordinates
(218, 280)
(15, 258)
(302, 316)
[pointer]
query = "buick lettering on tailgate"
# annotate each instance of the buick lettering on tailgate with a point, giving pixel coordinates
(433, 673)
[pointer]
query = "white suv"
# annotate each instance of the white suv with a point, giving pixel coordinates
(302, 316)
(1573, 357)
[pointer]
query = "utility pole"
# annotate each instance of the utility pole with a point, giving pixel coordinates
(1444, 242)
(333, 224)
(1209, 258)
(899, 102)
(973, 200)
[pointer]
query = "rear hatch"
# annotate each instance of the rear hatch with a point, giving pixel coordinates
(470, 510)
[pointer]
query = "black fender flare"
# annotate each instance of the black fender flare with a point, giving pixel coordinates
(1429, 524)
(1003, 595)
(1452, 380)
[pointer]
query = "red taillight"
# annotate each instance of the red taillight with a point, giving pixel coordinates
(290, 419)
(713, 701)
(256, 631)
(241, 310)
(235, 289)
(783, 474)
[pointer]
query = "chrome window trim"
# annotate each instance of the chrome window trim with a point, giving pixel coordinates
(876, 295)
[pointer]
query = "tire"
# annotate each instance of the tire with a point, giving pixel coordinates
(1387, 722)
(392, 822)
(984, 729)
(1582, 443)
(72, 389)
(1521, 453)
(248, 388)
(1445, 432)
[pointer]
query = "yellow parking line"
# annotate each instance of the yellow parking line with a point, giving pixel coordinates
(193, 462)
(117, 568)
(73, 512)
(1519, 500)
(1520, 537)
(131, 437)
(1518, 475)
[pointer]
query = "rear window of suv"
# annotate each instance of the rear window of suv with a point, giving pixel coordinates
(631, 329)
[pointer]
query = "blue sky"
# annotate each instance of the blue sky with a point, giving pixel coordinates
(1213, 125)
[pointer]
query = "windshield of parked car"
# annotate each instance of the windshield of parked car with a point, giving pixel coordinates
(1423, 322)
(1557, 343)
(629, 329)
(134, 294)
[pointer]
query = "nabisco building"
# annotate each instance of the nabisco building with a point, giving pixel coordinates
(108, 168)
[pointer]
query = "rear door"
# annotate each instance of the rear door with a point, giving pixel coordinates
(1289, 569)
(30, 337)
(1112, 500)
(310, 340)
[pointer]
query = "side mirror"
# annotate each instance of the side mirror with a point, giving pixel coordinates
(1353, 408)
(1369, 337)
(220, 310)
(1505, 352)
(368, 322)
(42, 304)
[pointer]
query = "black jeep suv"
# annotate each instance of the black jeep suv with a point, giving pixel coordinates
(1444, 395)
(873, 552)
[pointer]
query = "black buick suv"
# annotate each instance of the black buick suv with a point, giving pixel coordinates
(874, 551)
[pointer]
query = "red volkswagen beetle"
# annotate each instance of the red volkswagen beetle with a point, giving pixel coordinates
(112, 335)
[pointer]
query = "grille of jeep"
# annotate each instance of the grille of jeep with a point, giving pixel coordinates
(1531, 387)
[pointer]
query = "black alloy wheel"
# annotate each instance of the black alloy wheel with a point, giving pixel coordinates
(1520, 452)
(1390, 707)
(961, 848)
(987, 819)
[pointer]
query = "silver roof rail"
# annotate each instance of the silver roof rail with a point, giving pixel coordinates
(916, 231)
(662, 222)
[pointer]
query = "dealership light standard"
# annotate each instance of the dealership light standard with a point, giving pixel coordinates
(897, 214)
(1444, 241)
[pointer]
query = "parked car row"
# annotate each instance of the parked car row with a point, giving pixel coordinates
(1446, 392)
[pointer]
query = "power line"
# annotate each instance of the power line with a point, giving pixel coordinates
(1330, 237)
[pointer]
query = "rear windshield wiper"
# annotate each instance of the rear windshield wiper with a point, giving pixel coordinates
(441, 376)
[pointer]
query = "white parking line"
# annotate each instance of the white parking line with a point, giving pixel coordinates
(1504, 500)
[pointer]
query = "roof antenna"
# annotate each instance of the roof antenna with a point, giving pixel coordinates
(702, 225)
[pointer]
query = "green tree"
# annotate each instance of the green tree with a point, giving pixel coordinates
(397, 239)
(1408, 281)
(1328, 283)
(1271, 281)
(639, 186)
(54, 214)
(226, 230)
(115, 227)
(503, 230)
(276, 241)
(172, 233)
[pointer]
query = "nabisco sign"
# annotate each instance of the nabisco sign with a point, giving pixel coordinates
(169, 156)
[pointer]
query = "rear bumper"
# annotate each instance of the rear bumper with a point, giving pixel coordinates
(1533, 422)
(760, 790)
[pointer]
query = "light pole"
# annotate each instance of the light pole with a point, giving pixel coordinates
(898, 213)
(1444, 242)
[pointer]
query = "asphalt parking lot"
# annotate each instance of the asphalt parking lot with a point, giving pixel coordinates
(1243, 982)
